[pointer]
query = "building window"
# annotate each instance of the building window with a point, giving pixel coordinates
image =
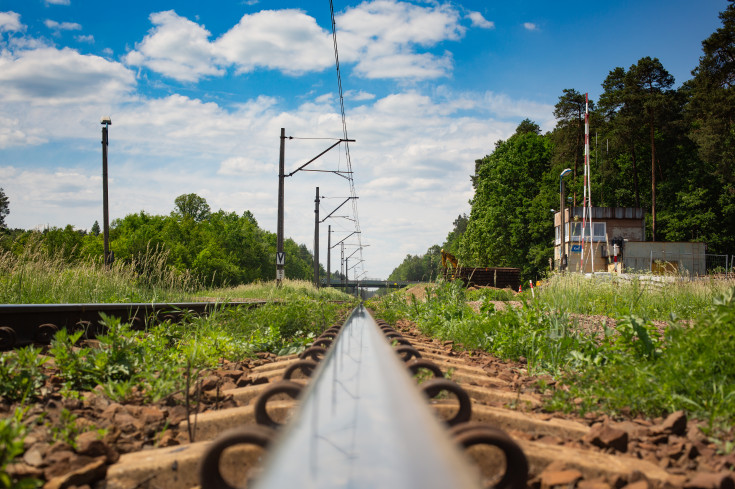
(599, 229)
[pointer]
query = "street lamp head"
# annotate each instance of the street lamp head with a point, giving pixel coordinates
(565, 172)
(106, 121)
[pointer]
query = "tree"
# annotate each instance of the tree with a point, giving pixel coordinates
(193, 206)
(95, 229)
(712, 102)
(635, 99)
(509, 222)
(653, 83)
(4, 207)
(568, 136)
(623, 115)
(711, 123)
(526, 126)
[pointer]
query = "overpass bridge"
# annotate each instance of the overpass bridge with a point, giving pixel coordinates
(372, 284)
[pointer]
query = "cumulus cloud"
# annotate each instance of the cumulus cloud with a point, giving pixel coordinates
(385, 39)
(383, 35)
(177, 48)
(240, 165)
(10, 22)
(47, 75)
(89, 39)
(12, 133)
(286, 40)
(479, 21)
(62, 26)
(358, 96)
(530, 26)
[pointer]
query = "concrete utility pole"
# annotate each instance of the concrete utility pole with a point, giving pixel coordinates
(106, 122)
(316, 239)
(329, 255)
(280, 255)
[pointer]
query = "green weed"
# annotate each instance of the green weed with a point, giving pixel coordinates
(631, 369)
(21, 373)
(12, 434)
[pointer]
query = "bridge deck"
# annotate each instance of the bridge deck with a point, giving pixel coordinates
(372, 284)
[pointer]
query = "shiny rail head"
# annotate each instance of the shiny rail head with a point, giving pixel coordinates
(363, 423)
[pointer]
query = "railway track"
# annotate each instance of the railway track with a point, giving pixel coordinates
(22, 324)
(358, 444)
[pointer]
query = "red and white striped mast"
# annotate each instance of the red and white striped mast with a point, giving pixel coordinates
(587, 192)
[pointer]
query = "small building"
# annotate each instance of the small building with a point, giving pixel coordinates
(616, 237)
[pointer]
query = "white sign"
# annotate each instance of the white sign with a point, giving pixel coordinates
(280, 274)
(280, 258)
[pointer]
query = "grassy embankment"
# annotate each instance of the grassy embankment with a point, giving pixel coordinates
(632, 369)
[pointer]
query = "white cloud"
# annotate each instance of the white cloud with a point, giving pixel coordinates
(358, 96)
(382, 37)
(530, 26)
(58, 2)
(49, 76)
(10, 22)
(240, 165)
(62, 26)
(89, 39)
(13, 134)
(479, 21)
(286, 40)
(177, 48)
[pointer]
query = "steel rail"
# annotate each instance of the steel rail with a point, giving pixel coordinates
(27, 323)
(363, 423)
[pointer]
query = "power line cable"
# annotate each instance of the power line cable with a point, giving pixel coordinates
(344, 132)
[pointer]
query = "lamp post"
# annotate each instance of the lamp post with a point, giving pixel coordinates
(562, 208)
(106, 123)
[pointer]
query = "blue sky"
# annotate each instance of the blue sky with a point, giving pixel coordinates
(198, 92)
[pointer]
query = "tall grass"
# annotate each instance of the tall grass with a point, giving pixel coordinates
(289, 289)
(616, 297)
(37, 277)
(632, 369)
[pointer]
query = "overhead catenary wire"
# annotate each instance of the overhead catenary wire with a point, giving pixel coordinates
(349, 173)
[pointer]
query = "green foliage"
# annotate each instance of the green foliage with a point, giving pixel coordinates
(691, 368)
(34, 276)
(192, 206)
(121, 356)
(4, 207)
(12, 433)
(543, 337)
(509, 224)
(21, 373)
(148, 365)
(190, 248)
(616, 297)
(632, 368)
(65, 429)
